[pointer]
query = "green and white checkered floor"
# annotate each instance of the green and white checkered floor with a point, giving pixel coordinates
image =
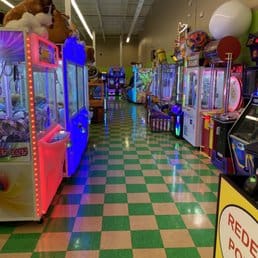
(136, 194)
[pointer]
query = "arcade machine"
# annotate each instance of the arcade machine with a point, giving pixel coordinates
(176, 109)
(243, 133)
(180, 59)
(142, 81)
(72, 93)
(243, 136)
(132, 92)
(104, 79)
(33, 143)
(168, 83)
(97, 100)
(251, 73)
(220, 154)
(116, 80)
(203, 95)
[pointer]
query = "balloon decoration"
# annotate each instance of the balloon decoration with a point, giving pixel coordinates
(231, 18)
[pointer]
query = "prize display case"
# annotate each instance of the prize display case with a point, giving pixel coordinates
(203, 92)
(168, 83)
(244, 132)
(73, 100)
(32, 141)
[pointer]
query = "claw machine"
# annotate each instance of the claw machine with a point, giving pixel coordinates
(32, 141)
(73, 103)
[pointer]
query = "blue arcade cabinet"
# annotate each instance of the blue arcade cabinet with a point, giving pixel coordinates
(131, 92)
(116, 80)
(72, 79)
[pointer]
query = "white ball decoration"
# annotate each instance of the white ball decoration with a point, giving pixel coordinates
(232, 18)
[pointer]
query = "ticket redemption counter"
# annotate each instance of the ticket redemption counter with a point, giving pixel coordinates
(237, 218)
(73, 101)
(96, 100)
(32, 142)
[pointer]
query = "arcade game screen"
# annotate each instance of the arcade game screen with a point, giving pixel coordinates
(95, 92)
(251, 81)
(247, 127)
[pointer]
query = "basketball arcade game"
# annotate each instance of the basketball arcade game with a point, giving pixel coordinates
(72, 92)
(33, 144)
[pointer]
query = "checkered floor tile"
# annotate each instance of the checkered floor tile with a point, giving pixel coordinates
(136, 194)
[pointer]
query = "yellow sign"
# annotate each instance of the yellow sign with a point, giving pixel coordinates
(237, 224)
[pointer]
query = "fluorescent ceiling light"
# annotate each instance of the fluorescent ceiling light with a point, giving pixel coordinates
(85, 25)
(136, 15)
(252, 118)
(7, 3)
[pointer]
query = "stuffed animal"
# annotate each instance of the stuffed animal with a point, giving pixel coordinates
(61, 28)
(30, 6)
(90, 55)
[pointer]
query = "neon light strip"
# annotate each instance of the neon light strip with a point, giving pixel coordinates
(252, 118)
(33, 126)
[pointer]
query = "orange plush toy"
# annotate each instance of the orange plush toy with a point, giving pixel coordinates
(60, 29)
(30, 6)
(90, 55)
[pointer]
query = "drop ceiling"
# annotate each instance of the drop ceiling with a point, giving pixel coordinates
(110, 17)
(105, 17)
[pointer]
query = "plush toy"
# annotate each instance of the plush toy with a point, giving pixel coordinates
(90, 55)
(30, 6)
(61, 28)
(32, 23)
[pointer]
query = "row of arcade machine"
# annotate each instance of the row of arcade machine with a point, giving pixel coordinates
(43, 120)
(233, 130)
(198, 105)
(115, 79)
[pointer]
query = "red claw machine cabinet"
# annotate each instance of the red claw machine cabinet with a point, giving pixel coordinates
(32, 142)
